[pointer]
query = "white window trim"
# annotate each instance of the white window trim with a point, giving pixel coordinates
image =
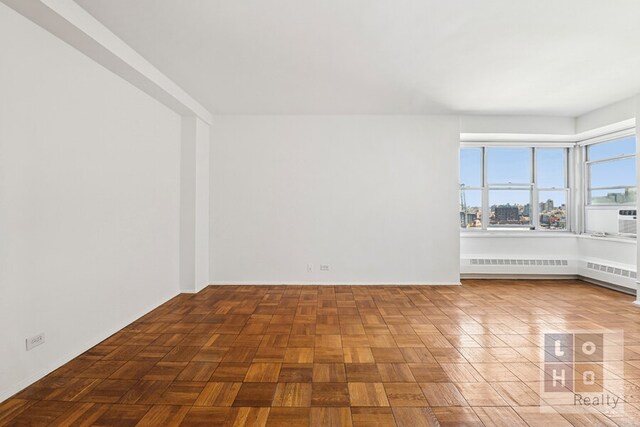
(534, 227)
(585, 190)
(577, 183)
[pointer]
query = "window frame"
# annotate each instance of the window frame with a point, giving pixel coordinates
(584, 187)
(587, 170)
(532, 187)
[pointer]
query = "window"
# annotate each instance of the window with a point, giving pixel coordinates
(471, 183)
(521, 188)
(611, 172)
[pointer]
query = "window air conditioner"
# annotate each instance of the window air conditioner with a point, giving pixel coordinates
(627, 224)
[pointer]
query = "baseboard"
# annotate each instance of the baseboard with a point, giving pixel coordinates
(273, 283)
(67, 357)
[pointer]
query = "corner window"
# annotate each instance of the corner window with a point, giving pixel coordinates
(611, 172)
(515, 188)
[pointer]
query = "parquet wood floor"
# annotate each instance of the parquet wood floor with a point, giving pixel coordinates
(336, 356)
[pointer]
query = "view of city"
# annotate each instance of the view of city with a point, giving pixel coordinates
(552, 216)
(610, 197)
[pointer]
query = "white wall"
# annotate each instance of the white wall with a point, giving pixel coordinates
(194, 205)
(89, 202)
(606, 115)
(201, 205)
(374, 197)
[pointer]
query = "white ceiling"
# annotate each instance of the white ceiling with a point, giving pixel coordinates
(547, 57)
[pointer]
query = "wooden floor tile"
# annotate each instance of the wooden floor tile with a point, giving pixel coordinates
(289, 417)
(133, 370)
(255, 394)
(499, 416)
(481, 394)
(298, 355)
(405, 394)
(144, 391)
(517, 393)
(443, 394)
(293, 395)
(387, 355)
(368, 394)
(165, 415)
(363, 373)
(101, 369)
(197, 371)
(495, 372)
(263, 372)
(11, 408)
(73, 390)
(358, 355)
(296, 373)
(181, 393)
(83, 414)
(218, 394)
(457, 416)
(330, 417)
(395, 372)
(329, 372)
(122, 415)
(108, 391)
(329, 394)
(328, 355)
(206, 416)
(372, 417)
(165, 371)
(414, 417)
(536, 416)
(428, 372)
(417, 355)
(248, 417)
(338, 355)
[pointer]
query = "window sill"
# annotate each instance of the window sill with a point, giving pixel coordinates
(617, 239)
(515, 234)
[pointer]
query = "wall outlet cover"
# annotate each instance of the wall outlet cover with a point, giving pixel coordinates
(35, 341)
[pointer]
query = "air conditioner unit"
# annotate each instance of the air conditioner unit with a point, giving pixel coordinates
(627, 223)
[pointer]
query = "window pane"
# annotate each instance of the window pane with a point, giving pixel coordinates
(509, 165)
(471, 167)
(616, 173)
(553, 210)
(471, 209)
(613, 197)
(618, 147)
(510, 207)
(551, 165)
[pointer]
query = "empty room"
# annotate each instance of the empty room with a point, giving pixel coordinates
(319, 213)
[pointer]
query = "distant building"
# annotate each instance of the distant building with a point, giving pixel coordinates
(546, 206)
(469, 219)
(507, 213)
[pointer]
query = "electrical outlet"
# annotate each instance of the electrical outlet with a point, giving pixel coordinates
(35, 341)
(324, 267)
(309, 268)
